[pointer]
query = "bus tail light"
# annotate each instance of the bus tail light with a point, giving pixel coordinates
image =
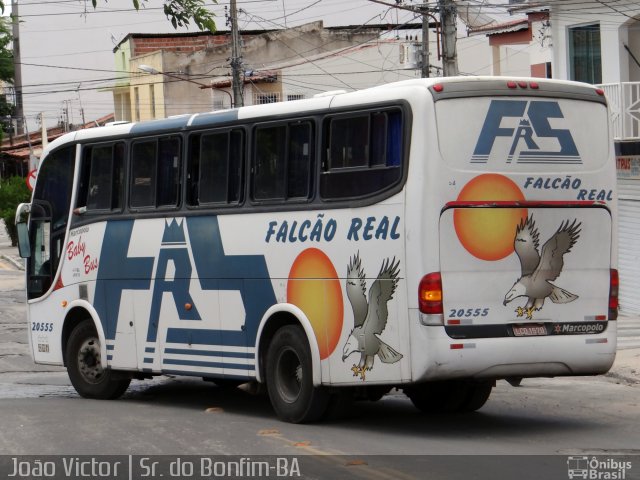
(614, 284)
(430, 294)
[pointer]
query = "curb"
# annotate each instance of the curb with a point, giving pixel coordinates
(19, 265)
(622, 377)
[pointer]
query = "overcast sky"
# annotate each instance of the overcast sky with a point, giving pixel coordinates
(67, 46)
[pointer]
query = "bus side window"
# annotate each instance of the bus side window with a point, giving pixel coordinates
(282, 162)
(168, 189)
(299, 165)
(155, 173)
(349, 145)
(143, 174)
(270, 161)
(215, 169)
(101, 178)
(363, 154)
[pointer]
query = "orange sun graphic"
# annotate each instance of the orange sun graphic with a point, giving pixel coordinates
(314, 287)
(487, 233)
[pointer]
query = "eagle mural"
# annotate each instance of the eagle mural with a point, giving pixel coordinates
(370, 317)
(538, 271)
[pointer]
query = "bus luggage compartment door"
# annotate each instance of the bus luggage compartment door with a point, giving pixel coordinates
(515, 271)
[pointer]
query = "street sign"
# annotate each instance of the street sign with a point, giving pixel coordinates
(31, 179)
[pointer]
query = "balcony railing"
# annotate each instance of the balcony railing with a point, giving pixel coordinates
(624, 103)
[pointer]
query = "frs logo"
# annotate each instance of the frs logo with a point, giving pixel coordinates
(533, 141)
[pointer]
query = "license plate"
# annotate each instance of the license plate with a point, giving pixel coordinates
(529, 330)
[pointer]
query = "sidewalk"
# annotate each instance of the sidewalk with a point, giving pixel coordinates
(7, 252)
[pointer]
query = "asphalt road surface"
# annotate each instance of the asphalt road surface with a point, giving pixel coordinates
(531, 431)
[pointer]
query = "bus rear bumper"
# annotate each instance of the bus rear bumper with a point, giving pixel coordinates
(437, 356)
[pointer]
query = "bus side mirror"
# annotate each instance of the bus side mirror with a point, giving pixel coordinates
(22, 212)
(24, 248)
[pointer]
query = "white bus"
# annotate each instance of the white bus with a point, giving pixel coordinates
(430, 235)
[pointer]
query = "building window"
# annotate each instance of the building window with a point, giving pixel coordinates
(295, 96)
(136, 100)
(262, 98)
(585, 59)
(152, 100)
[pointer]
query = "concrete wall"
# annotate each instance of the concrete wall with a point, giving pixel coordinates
(140, 88)
(614, 32)
(311, 60)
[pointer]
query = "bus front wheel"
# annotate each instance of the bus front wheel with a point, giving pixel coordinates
(289, 377)
(86, 369)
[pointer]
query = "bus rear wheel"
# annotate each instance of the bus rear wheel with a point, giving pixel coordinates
(289, 377)
(86, 370)
(449, 396)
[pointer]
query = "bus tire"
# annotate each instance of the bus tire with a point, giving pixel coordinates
(438, 397)
(478, 395)
(289, 378)
(85, 368)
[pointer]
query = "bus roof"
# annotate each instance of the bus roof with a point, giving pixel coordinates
(450, 87)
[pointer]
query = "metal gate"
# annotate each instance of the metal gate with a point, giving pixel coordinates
(629, 245)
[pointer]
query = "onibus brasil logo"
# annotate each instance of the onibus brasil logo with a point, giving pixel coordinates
(594, 468)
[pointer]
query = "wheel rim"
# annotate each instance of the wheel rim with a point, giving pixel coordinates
(289, 375)
(89, 361)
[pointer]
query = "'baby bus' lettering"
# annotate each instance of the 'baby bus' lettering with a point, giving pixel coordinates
(74, 249)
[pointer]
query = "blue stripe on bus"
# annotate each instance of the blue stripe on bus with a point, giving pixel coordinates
(160, 125)
(186, 351)
(201, 336)
(193, 363)
(207, 119)
(149, 349)
(213, 375)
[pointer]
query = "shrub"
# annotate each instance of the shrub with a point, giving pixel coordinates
(13, 191)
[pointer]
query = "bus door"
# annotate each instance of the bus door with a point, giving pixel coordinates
(49, 219)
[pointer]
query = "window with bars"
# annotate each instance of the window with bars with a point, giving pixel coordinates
(263, 98)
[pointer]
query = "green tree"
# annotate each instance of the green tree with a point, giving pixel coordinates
(6, 53)
(179, 12)
(6, 73)
(13, 191)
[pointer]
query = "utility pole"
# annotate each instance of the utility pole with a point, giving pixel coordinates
(425, 42)
(81, 109)
(17, 68)
(236, 62)
(424, 10)
(43, 127)
(448, 18)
